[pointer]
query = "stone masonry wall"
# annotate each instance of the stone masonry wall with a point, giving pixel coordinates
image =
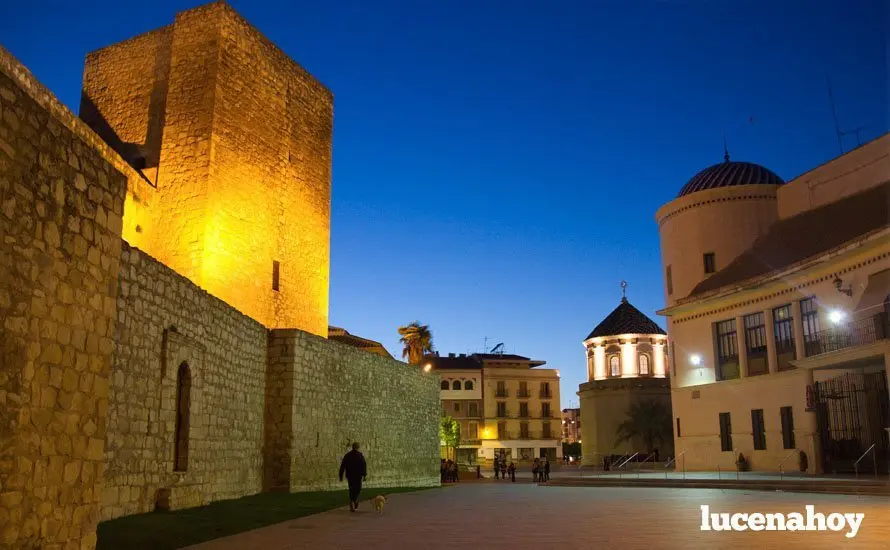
(237, 138)
(61, 207)
(164, 320)
(323, 395)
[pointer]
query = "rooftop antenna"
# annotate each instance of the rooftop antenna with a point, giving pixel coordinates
(725, 150)
(837, 128)
(624, 291)
(485, 345)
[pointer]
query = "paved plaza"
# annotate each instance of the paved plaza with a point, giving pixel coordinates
(523, 515)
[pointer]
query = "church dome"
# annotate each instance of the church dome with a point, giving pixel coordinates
(729, 174)
(625, 319)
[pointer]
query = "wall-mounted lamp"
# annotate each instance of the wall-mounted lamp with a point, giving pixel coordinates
(695, 359)
(428, 367)
(839, 285)
(836, 316)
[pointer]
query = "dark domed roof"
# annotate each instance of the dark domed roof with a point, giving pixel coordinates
(625, 319)
(728, 174)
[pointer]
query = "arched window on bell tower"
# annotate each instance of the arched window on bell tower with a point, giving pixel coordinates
(183, 403)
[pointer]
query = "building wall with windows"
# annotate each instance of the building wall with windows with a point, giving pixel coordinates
(571, 425)
(522, 414)
(805, 305)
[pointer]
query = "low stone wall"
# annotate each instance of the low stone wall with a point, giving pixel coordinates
(323, 395)
(163, 322)
(61, 205)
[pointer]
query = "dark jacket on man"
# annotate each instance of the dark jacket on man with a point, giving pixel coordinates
(353, 466)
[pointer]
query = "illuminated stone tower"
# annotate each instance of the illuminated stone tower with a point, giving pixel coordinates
(234, 141)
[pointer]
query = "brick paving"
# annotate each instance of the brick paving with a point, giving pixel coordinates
(522, 515)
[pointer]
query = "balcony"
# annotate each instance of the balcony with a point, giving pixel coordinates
(523, 393)
(545, 394)
(471, 441)
(501, 393)
(856, 333)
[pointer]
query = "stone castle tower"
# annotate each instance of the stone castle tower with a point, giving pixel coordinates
(233, 141)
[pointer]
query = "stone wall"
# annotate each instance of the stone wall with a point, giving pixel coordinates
(322, 395)
(61, 207)
(237, 138)
(163, 321)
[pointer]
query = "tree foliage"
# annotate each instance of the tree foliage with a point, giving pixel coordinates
(449, 432)
(417, 342)
(648, 420)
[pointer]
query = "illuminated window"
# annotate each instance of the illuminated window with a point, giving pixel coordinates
(455, 385)
(614, 366)
(183, 402)
(644, 365)
(457, 406)
(276, 272)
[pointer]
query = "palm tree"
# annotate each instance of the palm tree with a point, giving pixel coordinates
(649, 420)
(417, 341)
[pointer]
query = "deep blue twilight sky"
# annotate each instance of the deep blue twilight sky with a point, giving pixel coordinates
(498, 163)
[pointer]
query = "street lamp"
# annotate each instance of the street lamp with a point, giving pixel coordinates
(428, 367)
(836, 316)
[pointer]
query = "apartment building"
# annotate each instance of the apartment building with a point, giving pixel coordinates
(511, 410)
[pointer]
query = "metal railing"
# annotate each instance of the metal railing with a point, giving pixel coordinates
(735, 457)
(623, 464)
(523, 393)
(501, 393)
(874, 457)
(855, 333)
(781, 467)
(640, 464)
(545, 394)
(674, 462)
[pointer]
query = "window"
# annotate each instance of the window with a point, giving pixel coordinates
(473, 409)
(758, 429)
(468, 385)
(545, 410)
(457, 406)
(668, 280)
(787, 427)
(523, 430)
(455, 385)
(276, 272)
(502, 409)
(710, 262)
(183, 402)
(545, 390)
(444, 385)
(502, 389)
(502, 430)
(809, 317)
(678, 428)
(523, 389)
(755, 343)
(725, 432)
(473, 432)
(644, 365)
(545, 431)
(783, 328)
(523, 410)
(727, 351)
(614, 366)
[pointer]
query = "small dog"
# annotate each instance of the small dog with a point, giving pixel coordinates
(379, 503)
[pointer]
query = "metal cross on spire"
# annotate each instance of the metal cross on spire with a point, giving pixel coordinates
(623, 291)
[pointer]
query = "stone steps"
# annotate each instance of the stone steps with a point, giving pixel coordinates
(833, 486)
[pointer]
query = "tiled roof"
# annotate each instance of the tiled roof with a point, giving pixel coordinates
(729, 174)
(343, 336)
(625, 319)
(810, 233)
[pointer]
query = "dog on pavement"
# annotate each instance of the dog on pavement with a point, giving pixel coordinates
(379, 503)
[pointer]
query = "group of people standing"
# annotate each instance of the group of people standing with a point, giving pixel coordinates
(448, 471)
(541, 470)
(501, 467)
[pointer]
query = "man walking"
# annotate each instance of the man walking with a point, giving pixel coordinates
(353, 465)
